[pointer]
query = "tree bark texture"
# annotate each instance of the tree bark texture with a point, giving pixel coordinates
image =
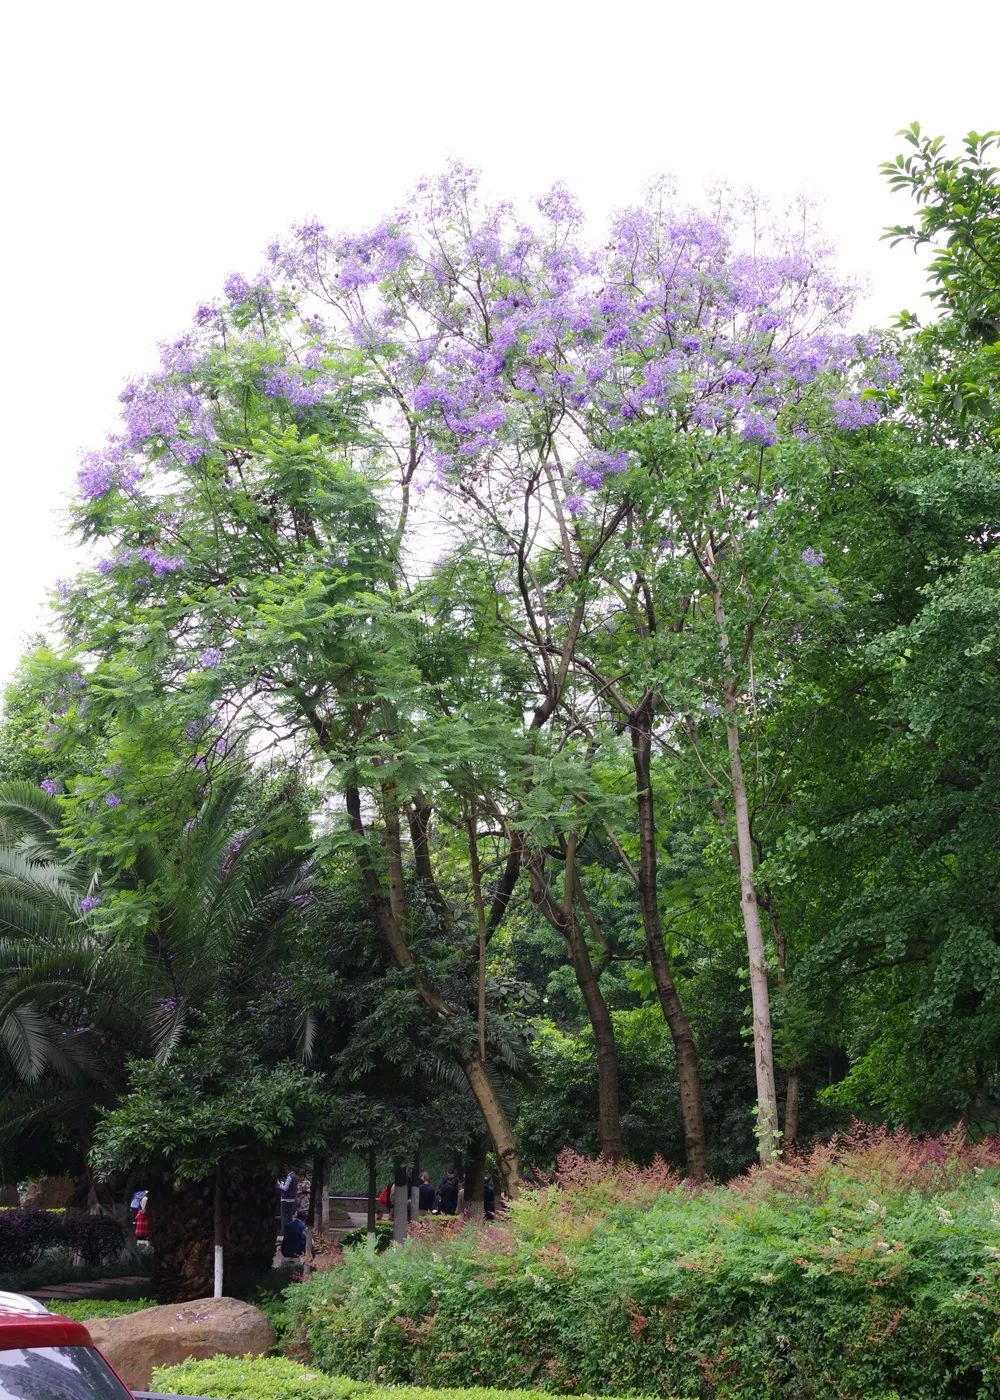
(763, 1038)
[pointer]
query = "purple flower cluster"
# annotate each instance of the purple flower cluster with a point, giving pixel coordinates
(210, 658)
(50, 786)
(112, 800)
(89, 902)
(161, 564)
(289, 384)
(496, 326)
(111, 466)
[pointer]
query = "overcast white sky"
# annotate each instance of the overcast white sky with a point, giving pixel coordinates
(152, 149)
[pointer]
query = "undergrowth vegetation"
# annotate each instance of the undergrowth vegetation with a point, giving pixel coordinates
(868, 1267)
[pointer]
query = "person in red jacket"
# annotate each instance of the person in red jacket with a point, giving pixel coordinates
(142, 1221)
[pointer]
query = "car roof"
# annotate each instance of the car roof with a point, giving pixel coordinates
(25, 1322)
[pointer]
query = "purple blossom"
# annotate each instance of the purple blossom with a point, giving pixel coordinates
(89, 902)
(210, 658)
(711, 708)
(757, 427)
(812, 556)
(851, 413)
(289, 385)
(236, 288)
(101, 470)
(112, 800)
(575, 505)
(50, 786)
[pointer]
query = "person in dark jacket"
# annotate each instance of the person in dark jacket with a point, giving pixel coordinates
(426, 1193)
(293, 1241)
(446, 1202)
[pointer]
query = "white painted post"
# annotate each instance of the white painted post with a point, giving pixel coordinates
(217, 1275)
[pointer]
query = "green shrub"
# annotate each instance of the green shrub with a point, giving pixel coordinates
(870, 1267)
(277, 1378)
(383, 1237)
(82, 1309)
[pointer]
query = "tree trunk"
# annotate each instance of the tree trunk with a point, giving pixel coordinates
(181, 1237)
(390, 914)
(609, 1127)
(475, 1178)
(319, 1197)
(562, 918)
(793, 1087)
(496, 1120)
(400, 1202)
(763, 1040)
(249, 1217)
(793, 1099)
(372, 1192)
(688, 1074)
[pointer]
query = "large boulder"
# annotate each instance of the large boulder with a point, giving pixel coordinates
(134, 1344)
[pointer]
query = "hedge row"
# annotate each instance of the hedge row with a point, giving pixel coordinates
(25, 1235)
(277, 1378)
(870, 1269)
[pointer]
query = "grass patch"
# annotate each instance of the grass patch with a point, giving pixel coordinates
(83, 1309)
(277, 1378)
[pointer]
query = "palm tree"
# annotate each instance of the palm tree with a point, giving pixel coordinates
(78, 996)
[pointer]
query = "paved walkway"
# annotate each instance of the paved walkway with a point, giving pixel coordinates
(88, 1288)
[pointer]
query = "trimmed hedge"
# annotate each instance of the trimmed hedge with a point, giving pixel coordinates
(277, 1378)
(26, 1234)
(869, 1268)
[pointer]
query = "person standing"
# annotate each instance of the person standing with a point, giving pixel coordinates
(446, 1202)
(288, 1191)
(426, 1193)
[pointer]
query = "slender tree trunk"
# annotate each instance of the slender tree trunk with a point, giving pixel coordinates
(793, 1086)
(609, 1125)
(400, 1202)
(763, 1039)
(372, 1193)
(793, 1099)
(477, 894)
(688, 1073)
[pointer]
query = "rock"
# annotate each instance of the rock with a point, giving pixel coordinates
(50, 1193)
(134, 1344)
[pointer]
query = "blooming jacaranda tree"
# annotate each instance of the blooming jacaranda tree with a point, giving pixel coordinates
(614, 428)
